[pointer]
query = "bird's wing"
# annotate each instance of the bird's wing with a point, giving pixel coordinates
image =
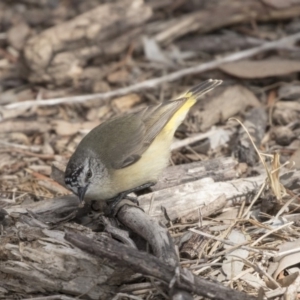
(121, 141)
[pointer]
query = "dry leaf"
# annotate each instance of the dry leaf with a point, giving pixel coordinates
(281, 3)
(289, 279)
(120, 76)
(67, 128)
(286, 262)
(124, 103)
(232, 265)
(153, 52)
(261, 68)
(283, 259)
(233, 100)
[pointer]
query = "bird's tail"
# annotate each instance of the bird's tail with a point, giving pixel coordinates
(178, 108)
(202, 88)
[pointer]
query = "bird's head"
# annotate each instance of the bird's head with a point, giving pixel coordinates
(83, 174)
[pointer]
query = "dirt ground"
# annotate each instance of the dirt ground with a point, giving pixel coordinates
(229, 198)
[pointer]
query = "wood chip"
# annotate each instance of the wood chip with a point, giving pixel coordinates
(120, 76)
(124, 103)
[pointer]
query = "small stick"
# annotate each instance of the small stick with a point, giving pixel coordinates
(230, 243)
(285, 42)
(192, 139)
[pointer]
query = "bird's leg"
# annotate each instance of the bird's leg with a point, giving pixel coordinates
(141, 187)
(113, 202)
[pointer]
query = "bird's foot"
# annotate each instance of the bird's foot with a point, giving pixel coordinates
(112, 204)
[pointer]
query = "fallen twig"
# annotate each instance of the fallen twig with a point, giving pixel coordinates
(192, 139)
(285, 42)
(231, 243)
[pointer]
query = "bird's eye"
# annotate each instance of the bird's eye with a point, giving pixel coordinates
(89, 174)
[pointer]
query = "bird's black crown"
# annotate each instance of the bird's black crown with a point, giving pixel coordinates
(71, 176)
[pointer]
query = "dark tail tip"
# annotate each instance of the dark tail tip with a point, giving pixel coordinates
(204, 87)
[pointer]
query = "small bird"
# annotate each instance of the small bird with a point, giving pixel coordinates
(127, 153)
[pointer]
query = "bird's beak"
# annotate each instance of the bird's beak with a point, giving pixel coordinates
(81, 192)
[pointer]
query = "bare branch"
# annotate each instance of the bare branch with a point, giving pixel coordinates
(286, 42)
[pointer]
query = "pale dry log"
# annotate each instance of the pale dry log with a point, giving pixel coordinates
(56, 207)
(190, 200)
(206, 210)
(219, 169)
(186, 198)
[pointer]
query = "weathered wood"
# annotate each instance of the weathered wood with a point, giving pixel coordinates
(185, 198)
(39, 261)
(45, 215)
(152, 266)
(156, 235)
(204, 211)
(194, 245)
(219, 169)
(152, 231)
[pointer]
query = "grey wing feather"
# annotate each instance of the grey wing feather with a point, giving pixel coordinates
(121, 141)
(157, 117)
(151, 121)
